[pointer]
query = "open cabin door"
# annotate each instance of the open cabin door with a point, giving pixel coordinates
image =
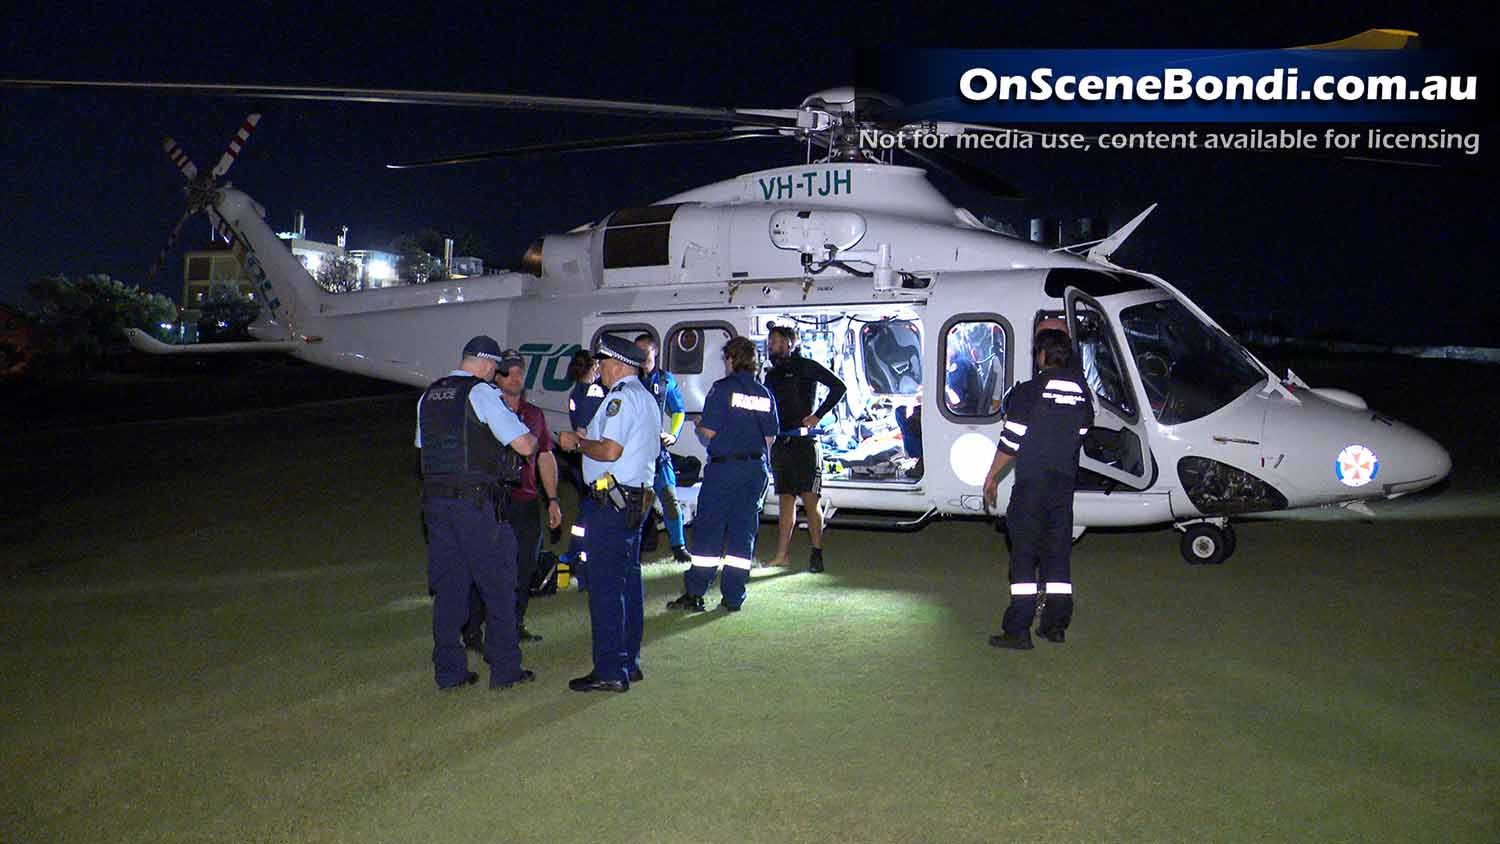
(1116, 448)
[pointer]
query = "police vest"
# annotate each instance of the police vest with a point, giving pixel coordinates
(457, 448)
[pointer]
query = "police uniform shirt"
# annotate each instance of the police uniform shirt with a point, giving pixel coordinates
(489, 407)
(631, 417)
(794, 383)
(742, 413)
(583, 402)
(1046, 420)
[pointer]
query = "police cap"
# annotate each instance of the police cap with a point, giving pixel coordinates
(483, 346)
(509, 359)
(621, 349)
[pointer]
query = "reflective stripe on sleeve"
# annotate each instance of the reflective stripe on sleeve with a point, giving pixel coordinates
(738, 562)
(583, 556)
(1056, 588)
(1012, 446)
(576, 530)
(1083, 432)
(1023, 589)
(1015, 427)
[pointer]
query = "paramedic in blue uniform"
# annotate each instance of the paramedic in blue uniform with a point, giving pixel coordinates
(619, 451)
(473, 449)
(796, 466)
(585, 399)
(664, 388)
(739, 424)
(1046, 420)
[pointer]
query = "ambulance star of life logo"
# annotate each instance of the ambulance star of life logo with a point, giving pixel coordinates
(1356, 466)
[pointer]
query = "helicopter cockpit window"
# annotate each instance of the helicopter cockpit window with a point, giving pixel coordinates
(1188, 368)
(974, 369)
(1101, 361)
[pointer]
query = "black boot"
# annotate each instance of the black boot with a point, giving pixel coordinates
(815, 561)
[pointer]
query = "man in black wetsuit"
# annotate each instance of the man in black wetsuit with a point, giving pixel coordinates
(796, 465)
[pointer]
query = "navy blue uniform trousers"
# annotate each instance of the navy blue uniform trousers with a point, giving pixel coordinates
(467, 546)
(725, 526)
(617, 595)
(1039, 520)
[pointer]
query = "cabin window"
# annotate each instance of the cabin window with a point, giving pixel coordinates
(976, 361)
(694, 355)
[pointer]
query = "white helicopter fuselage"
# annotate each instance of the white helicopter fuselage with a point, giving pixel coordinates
(1189, 425)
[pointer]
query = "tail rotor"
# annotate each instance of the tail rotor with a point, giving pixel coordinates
(201, 188)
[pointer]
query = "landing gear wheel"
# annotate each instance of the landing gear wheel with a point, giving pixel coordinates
(1205, 544)
(1230, 541)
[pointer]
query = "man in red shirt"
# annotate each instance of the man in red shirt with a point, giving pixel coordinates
(523, 511)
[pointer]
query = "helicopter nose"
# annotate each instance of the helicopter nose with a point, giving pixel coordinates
(1414, 461)
(1430, 461)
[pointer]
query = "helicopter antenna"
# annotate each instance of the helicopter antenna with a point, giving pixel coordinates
(1101, 251)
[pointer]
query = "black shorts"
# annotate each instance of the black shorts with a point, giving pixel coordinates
(796, 465)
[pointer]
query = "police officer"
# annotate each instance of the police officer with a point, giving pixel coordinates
(473, 447)
(619, 451)
(739, 424)
(669, 398)
(796, 465)
(587, 394)
(537, 491)
(1046, 419)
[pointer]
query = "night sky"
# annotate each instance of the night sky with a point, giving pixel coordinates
(1330, 247)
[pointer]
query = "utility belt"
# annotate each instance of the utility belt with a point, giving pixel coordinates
(485, 495)
(726, 458)
(633, 501)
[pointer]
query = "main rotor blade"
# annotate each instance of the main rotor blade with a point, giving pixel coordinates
(236, 144)
(161, 258)
(180, 159)
(1372, 39)
(470, 99)
(622, 142)
(962, 170)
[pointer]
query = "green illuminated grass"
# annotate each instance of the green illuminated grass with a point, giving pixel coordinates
(237, 650)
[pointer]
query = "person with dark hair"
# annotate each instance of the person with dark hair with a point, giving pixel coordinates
(583, 402)
(473, 449)
(909, 423)
(738, 425)
(796, 464)
(669, 399)
(1046, 420)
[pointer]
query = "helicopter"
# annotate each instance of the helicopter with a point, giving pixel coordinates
(913, 301)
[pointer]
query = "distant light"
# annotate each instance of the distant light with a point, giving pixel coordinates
(314, 260)
(165, 325)
(381, 270)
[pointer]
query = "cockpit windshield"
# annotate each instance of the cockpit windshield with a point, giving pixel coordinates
(1189, 369)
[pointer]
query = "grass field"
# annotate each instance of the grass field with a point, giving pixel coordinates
(218, 629)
